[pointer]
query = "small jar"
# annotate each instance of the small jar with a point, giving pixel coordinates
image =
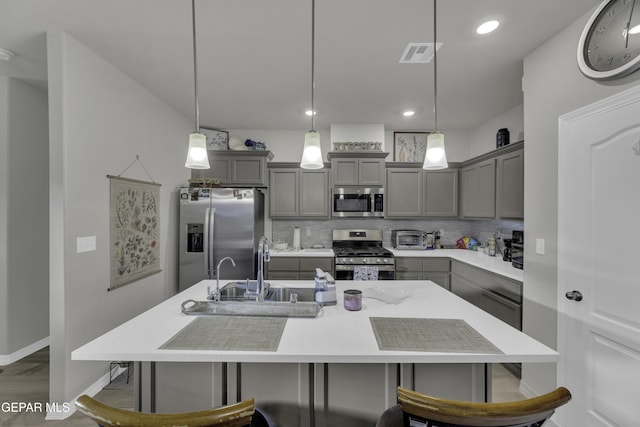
(352, 299)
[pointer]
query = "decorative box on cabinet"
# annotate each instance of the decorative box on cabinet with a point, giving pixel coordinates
(237, 168)
(295, 192)
(357, 168)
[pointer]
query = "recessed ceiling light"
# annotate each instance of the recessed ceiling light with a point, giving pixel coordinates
(309, 112)
(488, 27)
(408, 113)
(6, 55)
(635, 30)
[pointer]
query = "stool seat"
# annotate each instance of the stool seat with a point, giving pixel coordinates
(236, 415)
(419, 409)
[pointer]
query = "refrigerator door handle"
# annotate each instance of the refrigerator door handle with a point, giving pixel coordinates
(209, 236)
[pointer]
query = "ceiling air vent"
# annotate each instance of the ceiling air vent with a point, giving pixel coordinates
(418, 53)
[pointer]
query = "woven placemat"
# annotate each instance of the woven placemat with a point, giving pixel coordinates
(229, 334)
(429, 335)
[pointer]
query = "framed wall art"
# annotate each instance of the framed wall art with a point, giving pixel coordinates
(135, 230)
(409, 146)
(216, 139)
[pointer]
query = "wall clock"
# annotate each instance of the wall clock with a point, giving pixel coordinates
(609, 47)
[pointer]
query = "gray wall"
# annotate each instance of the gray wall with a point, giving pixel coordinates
(553, 86)
(24, 225)
(100, 120)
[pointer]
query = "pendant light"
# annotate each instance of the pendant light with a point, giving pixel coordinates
(312, 154)
(435, 157)
(197, 157)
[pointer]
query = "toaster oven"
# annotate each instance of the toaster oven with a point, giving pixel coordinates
(412, 239)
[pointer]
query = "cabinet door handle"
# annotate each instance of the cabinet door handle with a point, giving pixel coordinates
(574, 295)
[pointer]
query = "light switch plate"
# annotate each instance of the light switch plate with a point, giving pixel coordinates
(86, 244)
(540, 246)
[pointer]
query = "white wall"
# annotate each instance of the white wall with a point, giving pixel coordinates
(483, 138)
(100, 120)
(24, 227)
(553, 86)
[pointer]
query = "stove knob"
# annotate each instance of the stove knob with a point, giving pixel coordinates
(379, 261)
(365, 260)
(350, 261)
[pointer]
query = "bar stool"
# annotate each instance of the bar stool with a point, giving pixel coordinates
(236, 415)
(419, 409)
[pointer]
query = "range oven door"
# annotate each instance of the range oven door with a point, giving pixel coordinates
(345, 272)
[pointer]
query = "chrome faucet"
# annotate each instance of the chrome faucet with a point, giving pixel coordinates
(263, 256)
(215, 295)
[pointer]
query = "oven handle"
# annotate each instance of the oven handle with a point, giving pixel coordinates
(342, 267)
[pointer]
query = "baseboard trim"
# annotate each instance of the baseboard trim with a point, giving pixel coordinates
(8, 359)
(63, 411)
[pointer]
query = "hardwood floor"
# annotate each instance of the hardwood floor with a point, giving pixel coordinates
(28, 381)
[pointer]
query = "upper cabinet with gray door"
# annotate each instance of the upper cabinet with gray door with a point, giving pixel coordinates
(413, 193)
(237, 168)
(296, 193)
(492, 185)
(364, 168)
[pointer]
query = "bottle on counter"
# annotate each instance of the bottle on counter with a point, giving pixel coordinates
(491, 246)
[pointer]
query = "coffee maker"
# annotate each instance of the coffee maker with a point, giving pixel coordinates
(506, 254)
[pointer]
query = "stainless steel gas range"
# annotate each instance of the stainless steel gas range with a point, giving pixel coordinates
(359, 255)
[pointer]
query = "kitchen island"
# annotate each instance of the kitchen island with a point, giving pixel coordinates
(332, 363)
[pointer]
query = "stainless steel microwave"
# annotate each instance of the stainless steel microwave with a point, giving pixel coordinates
(357, 202)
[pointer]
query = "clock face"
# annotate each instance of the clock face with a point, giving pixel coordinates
(610, 44)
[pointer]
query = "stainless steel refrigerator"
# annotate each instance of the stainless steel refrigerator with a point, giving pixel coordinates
(217, 223)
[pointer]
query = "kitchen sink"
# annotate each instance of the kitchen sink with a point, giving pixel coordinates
(246, 290)
(239, 299)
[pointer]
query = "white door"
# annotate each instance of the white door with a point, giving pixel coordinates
(599, 257)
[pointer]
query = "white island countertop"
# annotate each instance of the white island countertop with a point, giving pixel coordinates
(335, 336)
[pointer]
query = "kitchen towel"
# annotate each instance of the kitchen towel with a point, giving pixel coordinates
(429, 335)
(365, 272)
(238, 333)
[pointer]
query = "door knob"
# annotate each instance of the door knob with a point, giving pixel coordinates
(574, 295)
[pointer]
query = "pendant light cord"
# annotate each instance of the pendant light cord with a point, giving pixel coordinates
(313, 57)
(195, 65)
(435, 68)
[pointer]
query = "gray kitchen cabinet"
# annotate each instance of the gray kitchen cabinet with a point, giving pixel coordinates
(403, 196)
(496, 294)
(297, 268)
(510, 185)
(479, 190)
(237, 168)
(440, 193)
(295, 193)
(357, 168)
(420, 268)
(412, 192)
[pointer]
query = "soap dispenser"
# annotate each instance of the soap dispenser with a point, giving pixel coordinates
(325, 290)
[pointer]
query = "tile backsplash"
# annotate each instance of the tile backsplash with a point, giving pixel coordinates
(319, 232)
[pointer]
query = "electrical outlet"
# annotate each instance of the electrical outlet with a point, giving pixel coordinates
(540, 246)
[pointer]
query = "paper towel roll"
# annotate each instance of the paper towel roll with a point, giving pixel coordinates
(296, 238)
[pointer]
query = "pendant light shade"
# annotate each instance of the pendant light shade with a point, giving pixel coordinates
(435, 157)
(312, 153)
(197, 156)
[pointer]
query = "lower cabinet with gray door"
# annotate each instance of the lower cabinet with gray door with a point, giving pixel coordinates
(297, 268)
(416, 268)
